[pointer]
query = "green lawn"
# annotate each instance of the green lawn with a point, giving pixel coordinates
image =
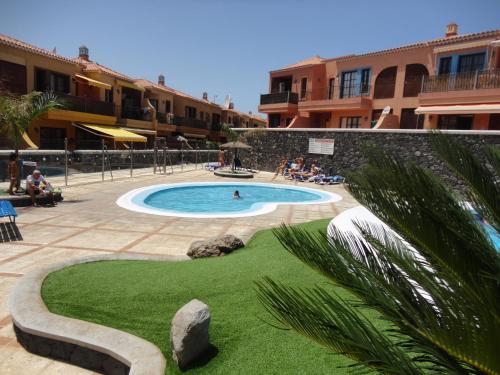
(141, 297)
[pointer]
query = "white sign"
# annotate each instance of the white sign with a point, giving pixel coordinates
(321, 146)
(386, 110)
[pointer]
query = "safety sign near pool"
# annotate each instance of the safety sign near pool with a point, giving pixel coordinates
(321, 146)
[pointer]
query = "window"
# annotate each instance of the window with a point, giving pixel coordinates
(51, 81)
(331, 85)
(274, 120)
(167, 106)
(347, 89)
(303, 87)
(154, 103)
(202, 115)
(52, 138)
(385, 83)
(445, 65)
(350, 122)
(455, 122)
(471, 63)
(108, 96)
(215, 119)
(365, 81)
(12, 78)
(229, 120)
(190, 112)
(409, 120)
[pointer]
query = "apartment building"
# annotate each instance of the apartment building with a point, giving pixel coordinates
(448, 83)
(238, 119)
(101, 103)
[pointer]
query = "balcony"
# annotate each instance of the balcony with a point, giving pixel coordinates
(345, 97)
(462, 81)
(135, 113)
(161, 117)
(189, 122)
(82, 104)
(459, 88)
(276, 102)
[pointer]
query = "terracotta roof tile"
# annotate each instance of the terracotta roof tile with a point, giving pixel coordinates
(315, 60)
(148, 84)
(92, 66)
(12, 42)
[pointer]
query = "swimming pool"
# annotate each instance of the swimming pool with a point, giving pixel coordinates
(215, 199)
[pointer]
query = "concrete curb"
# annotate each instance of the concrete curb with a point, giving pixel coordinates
(30, 315)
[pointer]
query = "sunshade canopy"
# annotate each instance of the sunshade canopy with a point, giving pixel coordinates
(117, 134)
(130, 85)
(236, 144)
(459, 109)
(93, 82)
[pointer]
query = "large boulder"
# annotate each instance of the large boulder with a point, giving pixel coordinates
(189, 333)
(214, 247)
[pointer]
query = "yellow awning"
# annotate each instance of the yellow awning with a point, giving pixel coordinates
(117, 134)
(93, 82)
(458, 109)
(130, 85)
(29, 142)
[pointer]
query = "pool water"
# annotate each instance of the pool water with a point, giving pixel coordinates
(216, 199)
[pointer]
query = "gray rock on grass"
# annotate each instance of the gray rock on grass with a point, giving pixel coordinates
(189, 337)
(214, 247)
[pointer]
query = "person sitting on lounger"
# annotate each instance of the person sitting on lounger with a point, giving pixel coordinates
(36, 184)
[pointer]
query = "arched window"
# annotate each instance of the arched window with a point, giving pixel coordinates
(385, 83)
(413, 79)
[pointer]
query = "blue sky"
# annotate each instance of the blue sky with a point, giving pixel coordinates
(228, 47)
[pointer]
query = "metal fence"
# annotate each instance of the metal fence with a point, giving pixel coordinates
(83, 166)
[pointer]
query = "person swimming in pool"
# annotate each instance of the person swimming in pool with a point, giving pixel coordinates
(236, 194)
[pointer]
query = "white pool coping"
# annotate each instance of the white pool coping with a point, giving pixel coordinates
(126, 200)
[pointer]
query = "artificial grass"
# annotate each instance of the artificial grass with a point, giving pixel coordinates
(141, 297)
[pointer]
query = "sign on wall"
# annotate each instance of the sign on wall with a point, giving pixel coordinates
(321, 146)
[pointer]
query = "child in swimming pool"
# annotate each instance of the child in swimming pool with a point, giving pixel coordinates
(236, 195)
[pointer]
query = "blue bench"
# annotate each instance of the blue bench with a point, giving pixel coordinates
(6, 210)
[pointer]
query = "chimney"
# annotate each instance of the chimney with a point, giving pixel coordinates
(205, 95)
(83, 52)
(161, 80)
(231, 105)
(451, 30)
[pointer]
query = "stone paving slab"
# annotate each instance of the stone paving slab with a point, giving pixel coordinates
(88, 222)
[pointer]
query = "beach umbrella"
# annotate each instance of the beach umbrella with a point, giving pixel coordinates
(236, 145)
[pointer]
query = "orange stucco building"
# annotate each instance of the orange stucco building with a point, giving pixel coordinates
(101, 103)
(450, 83)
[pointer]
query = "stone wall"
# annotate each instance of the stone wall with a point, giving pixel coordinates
(71, 353)
(269, 146)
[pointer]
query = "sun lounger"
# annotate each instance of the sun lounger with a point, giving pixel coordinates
(6, 210)
(212, 166)
(330, 180)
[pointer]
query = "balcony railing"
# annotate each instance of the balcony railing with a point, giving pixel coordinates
(462, 81)
(136, 113)
(216, 127)
(190, 122)
(82, 104)
(336, 92)
(279, 97)
(161, 117)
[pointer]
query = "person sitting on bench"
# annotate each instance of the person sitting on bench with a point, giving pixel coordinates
(36, 184)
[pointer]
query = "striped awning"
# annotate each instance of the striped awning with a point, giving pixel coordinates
(93, 82)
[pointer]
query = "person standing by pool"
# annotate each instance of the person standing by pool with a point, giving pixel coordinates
(13, 172)
(221, 158)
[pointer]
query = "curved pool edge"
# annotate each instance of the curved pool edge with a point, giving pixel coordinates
(126, 200)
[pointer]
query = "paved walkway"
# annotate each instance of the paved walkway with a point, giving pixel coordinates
(89, 222)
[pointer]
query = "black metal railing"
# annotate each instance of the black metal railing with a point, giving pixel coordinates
(216, 127)
(136, 113)
(280, 97)
(161, 117)
(489, 79)
(336, 92)
(83, 104)
(190, 122)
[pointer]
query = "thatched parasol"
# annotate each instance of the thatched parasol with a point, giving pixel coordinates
(236, 145)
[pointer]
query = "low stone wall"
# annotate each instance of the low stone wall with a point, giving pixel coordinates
(269, 146)
(71, 353)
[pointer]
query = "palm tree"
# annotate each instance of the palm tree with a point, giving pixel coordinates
(17, 112)
(442, 307)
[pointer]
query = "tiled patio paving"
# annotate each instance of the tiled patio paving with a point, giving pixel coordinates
(89, 222)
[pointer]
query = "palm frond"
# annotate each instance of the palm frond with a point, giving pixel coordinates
(484, 189)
